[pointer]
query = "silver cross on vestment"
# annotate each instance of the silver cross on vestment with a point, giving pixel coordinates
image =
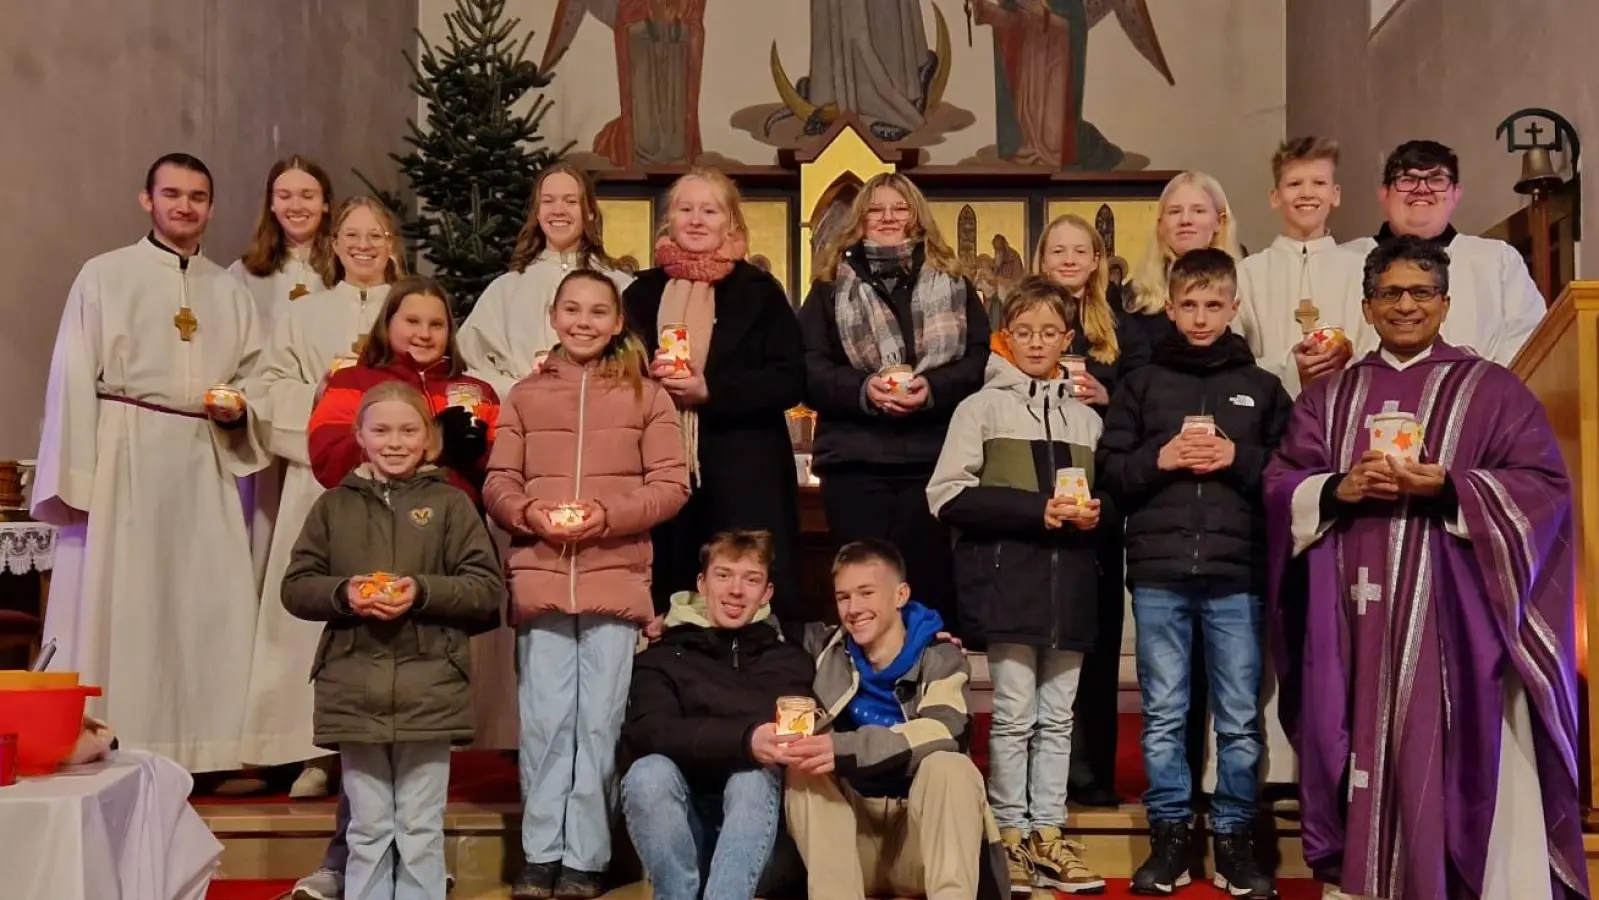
(1365, 591)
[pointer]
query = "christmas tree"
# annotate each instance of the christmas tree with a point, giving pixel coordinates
(473, 166)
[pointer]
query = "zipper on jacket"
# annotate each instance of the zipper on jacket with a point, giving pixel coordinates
(1054, 551)
(1199, 491)
(577, 479)
(735, 654)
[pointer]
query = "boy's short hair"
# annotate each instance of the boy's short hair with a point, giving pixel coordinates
(1302, 149)
(1203, 268)
(1039, 290)
(738, 545)
(870, 550)
(1420, 156)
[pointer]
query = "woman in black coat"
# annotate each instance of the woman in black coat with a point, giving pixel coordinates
(744, 370)
(888, 292)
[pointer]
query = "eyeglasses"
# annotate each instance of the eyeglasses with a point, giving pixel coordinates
(1436, 182)
(885, 212)
(1421, 293)
(1026, 335)
(367, 237)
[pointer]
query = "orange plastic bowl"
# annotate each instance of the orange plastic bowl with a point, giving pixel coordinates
(47, 723)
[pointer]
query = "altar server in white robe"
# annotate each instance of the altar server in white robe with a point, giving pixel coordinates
(508, 328)
(1494, 304)
(510, 323)
(290, 256)
(1302, 281)
(314, 334)
(153, 597)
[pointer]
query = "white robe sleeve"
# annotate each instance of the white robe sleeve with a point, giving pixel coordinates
(1523, 307)
(484, 339)
(279, 398)
(242, 450)
(63, 482)
(1306, 524)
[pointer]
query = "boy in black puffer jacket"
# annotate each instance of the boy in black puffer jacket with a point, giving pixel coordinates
(1185, 445)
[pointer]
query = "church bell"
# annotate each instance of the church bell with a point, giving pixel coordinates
(1538, 176)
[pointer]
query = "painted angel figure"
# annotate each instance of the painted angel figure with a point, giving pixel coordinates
(660, 52)
(1040, 62)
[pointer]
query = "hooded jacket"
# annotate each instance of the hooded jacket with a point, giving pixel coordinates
(1017, 581)
(406, 679)
(1184, 527)
(699, 692)
(569, 435)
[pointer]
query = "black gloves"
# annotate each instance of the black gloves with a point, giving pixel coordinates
(466, 438)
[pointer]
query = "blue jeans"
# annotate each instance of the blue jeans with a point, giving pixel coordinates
(573, 674)
(396, 834)
(686, 838)
(1231, 626)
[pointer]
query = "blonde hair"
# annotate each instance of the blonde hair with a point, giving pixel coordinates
(938, 254)
(623, 358)
(531, 240)
(269, 246)
(1152, 290)
(391, 226)
(397, 391)
(1302, 149)
(1093, 310)
(726, 194)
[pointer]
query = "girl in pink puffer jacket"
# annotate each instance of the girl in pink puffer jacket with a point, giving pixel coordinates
(588, 457)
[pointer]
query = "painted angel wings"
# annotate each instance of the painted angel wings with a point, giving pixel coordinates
(1133, 16)
(568, 16)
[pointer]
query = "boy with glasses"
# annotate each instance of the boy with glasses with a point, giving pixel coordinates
(1496, 303)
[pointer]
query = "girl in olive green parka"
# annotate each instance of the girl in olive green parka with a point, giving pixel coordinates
(399, 565)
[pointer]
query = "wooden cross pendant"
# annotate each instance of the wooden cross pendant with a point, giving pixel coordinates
(359, 346)
(299, 291)
(186, 323)
(1308, 315)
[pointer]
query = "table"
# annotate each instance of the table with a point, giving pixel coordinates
(29, 547)
(118, 829)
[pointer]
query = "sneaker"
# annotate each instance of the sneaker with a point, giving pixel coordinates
(1017, 861)
(575, 884)
(1058, 864)
(1237, 871)
(323, 884)
(536, 881)
(1166, 870)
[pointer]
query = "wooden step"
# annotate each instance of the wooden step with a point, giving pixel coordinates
(483, 844)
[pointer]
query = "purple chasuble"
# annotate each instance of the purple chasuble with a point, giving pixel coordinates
(1393, 634)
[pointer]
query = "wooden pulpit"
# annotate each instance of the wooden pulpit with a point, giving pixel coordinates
(1560, 363)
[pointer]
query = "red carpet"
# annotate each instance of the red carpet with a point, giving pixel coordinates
(271, 890)
(240, 889)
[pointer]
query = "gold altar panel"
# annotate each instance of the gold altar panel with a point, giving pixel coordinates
(1133, 224)
(771, 225)
(990, 238)
(629, 231)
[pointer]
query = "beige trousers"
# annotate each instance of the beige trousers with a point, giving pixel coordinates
(928, 844)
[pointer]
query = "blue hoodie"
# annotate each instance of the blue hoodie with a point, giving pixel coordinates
(876, 703)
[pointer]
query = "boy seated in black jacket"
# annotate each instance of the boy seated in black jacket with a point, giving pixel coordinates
(1185, 445)
(704, 800)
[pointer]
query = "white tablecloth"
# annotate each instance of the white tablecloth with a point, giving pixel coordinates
(120, 829)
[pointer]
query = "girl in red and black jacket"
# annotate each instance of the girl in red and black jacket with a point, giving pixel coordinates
(412, 340)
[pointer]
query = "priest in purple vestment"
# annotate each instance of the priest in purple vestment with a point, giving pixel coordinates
(1422, 614)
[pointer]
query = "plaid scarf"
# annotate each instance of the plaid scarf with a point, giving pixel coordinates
(866, 325)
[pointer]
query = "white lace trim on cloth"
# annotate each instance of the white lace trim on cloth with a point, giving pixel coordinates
(26, 547)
